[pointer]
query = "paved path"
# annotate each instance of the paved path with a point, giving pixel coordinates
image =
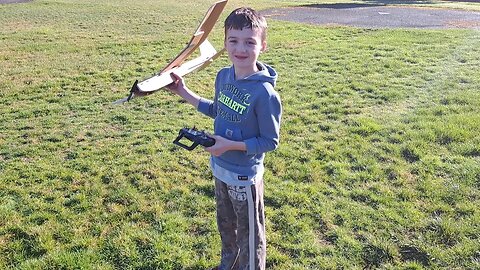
(377, 16)
(369, 15)
(13, 1)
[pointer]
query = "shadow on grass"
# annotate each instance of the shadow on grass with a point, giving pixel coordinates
(412, 253)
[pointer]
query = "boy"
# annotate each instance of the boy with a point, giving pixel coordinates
(247, 113)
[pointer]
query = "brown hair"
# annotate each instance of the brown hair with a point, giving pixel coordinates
(246, 17)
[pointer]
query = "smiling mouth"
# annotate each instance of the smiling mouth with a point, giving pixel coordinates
(241, 57)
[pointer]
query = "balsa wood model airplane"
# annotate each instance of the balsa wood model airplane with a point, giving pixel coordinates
(177, 65)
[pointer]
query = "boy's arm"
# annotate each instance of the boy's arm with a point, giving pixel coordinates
(269, 113)
(223, 145)
(178, 87)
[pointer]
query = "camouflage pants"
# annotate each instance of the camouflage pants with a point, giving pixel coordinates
(241, 223)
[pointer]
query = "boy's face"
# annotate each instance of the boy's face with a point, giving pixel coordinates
(244, 47)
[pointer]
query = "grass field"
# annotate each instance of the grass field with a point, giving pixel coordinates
(378, 168)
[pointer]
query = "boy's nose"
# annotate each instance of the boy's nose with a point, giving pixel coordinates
(242, 48)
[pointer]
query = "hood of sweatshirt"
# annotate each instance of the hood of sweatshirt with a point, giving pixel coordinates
(265, 73)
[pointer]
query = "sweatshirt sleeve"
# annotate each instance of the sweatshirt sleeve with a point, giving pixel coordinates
(269, 114)
(207, 107)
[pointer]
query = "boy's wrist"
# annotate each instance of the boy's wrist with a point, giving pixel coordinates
(182, 91)
(189, 96)
(237, 146)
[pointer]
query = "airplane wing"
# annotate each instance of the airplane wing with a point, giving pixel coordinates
(177, 65)
(207, 55)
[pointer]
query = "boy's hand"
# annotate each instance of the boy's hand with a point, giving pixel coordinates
(177, 85)
(223, 145)
(220, 146)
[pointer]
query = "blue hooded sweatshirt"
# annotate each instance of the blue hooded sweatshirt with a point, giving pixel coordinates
(248, 110)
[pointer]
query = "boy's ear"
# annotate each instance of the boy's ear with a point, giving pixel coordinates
(264, 46)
